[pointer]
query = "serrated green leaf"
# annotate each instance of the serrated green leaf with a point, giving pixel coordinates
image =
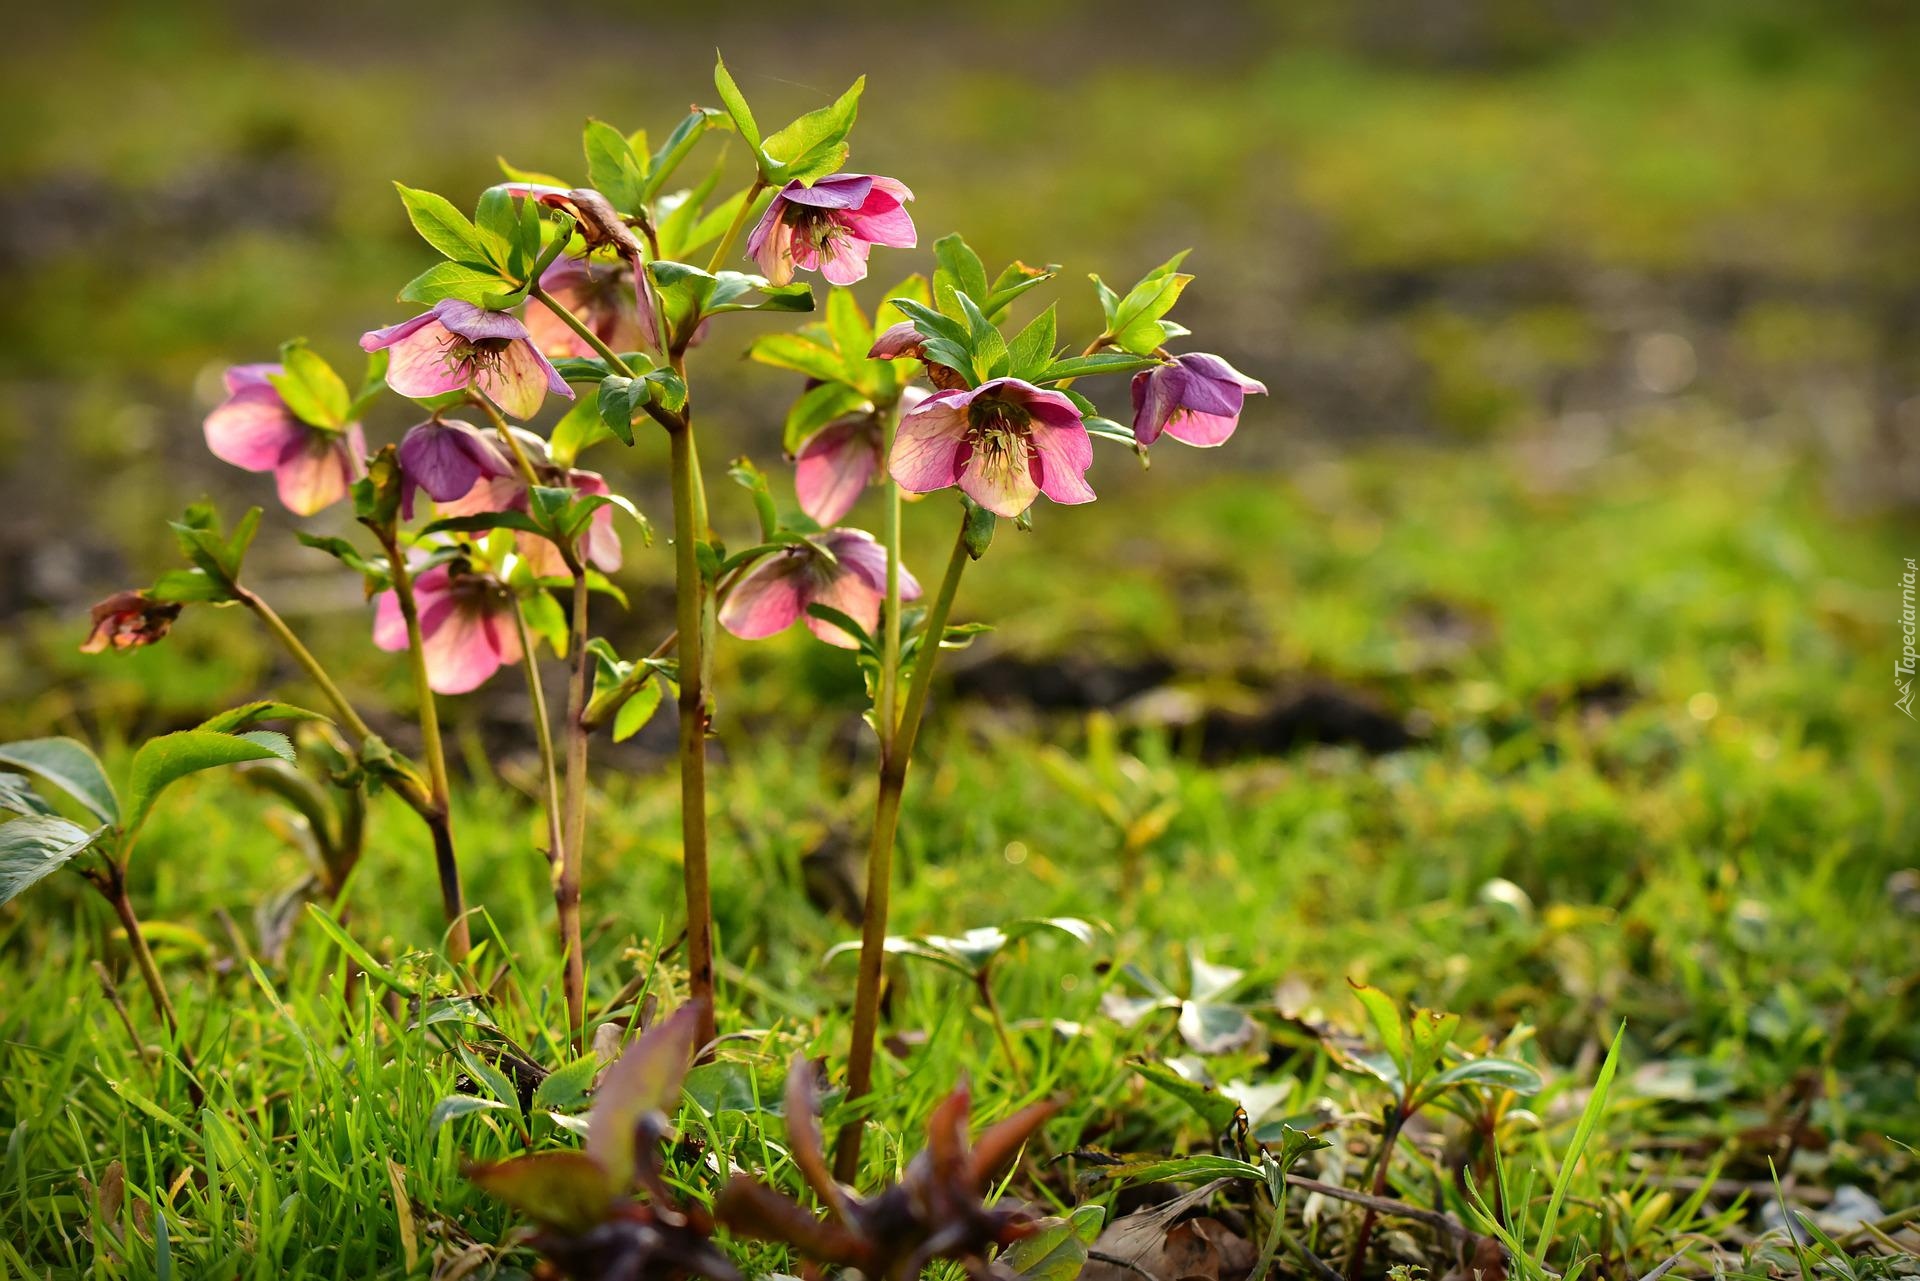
(36, 846)
(69, 765)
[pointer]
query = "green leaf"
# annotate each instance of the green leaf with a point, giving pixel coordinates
(1216, 1029)
(578, 430)
(618, 400)
(373, 571)
(676, 148)
(800, 354)
(736, 104)
(1031, 351)
(69, 765)
(443, 226)
(638, 710)
(1056, 1249)
(1387, 1024)
(1213, 1108)
(455, 1106)
(546, 619)
(459, 280)
(960, 271)
(979, 530)
(265, 709)
(815, 145)
(817, 407)
(567, 1086)
(310, 387)
(612, 167)
(1102, 362)
(18, 797)
(36, 846)
(188, 585)
(754, 481)
(162, 761)
(1498, 1074)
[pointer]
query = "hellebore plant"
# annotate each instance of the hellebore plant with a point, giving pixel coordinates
(489, 537)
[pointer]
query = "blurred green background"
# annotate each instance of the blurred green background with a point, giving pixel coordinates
(1631, 253)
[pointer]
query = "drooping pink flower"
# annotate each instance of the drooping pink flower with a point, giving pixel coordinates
(844, 569)
(600, 546)
(1003, 443)
(830, 226)
(467, 630)
(447, 458)
(253, 429)
(602, 294)
(1195, 398)
(835, 463)
(458, 346)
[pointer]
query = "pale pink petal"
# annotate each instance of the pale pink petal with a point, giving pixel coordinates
(542, 557)
(319, 472)
(551, 334)
(1203, 430)
(517, 380)
(927, 446)
(420, 368)
(253, 428)
(832, 468)
(1003, 482)
(389, 628)
(1061, 456)
(431, 596)
(463, 651)
(771, 245)
(852, 595)
(845, 262)
(489, 494)
(858, 553)
(375, 339)
(769, 598)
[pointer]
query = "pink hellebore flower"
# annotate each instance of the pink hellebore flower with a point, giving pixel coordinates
(1195, 398)
(851, 576)
(457, 346)
(448, 458)
(603, 294)
(1003, 443)
(837, 462)
(253, 428)
(830, 226)
(467, 630)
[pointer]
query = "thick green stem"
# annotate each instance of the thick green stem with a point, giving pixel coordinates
(567, 891)
(311, 665)
(689, 594)
(440, 816)
(556, 835)
(584, 330)
(894, 758)
(114, 886)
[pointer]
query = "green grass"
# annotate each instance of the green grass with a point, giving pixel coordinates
(1707, 866)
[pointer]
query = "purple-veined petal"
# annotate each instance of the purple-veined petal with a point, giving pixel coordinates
(476, 324)
(1061, 456)
(837, 191)
(860, 554)
(1050, 407)
(421, 367)
(467, 648)
(447, 458)
(771, 244)
(516, 380)
(770, 596)
(927, 446)
(896, 341)
(375, 339)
